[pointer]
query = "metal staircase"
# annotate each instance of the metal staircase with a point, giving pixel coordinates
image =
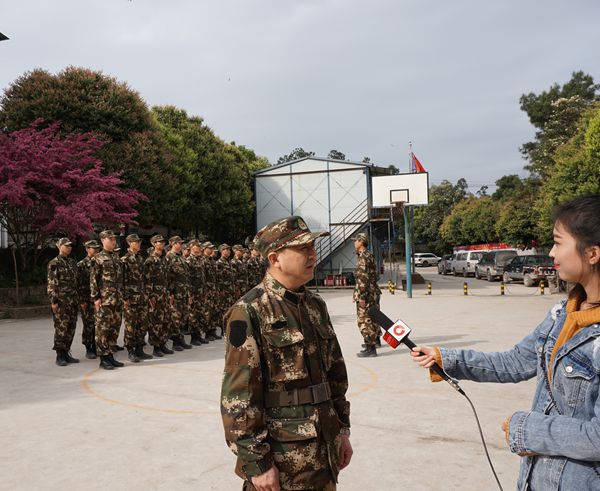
(341, 232)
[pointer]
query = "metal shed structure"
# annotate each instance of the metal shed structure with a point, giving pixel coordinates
(332, 195)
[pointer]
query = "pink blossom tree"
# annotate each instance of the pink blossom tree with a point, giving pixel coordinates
(52, 184)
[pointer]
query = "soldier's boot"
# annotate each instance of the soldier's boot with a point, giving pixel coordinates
(139, 351)
(105, 363)
(165, 350)
(183, 344)
(60, 358)
(158, 352)
(132, 355)
(69, 358)
(377, 343)
(115, 363)
(215, 335)
(176, 345)
(90, 351)
(116, 347)
(196, 340)
(202, 340)
(368, 352)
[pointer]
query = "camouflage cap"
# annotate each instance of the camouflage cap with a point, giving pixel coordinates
(133, 238)
(238, 247)
(63, 241)
(362, 237)
(208, 244)
(157, 238)
(286, 232)
(107, 234)
(222, 247)
(193, 242)
(175, 239)
(91, 244)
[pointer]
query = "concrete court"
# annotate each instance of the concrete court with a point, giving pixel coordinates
(156, 425)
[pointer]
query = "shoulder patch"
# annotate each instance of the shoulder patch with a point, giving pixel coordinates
(279, 324)
(237, 332)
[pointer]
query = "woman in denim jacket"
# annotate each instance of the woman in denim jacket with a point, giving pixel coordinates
(559, 438)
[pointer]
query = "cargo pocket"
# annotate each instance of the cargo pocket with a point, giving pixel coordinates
(285, 352)
(292, 430)
(326, 340)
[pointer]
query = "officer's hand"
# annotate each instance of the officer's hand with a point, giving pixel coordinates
(268, 481)
(171, 299)
(54, 308)
(362, 303)
(97, 304)
(423, 355)
(345, 451)
(190, 301)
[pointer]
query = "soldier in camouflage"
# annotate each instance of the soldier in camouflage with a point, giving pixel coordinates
(366, 294)
(135, 302)
(226, 281)
(86, 306)
(179, 292)
(240, 272)
(156, 283)
(106, 291)
(211, 297)
(196, 270)
(62, 291)
(283, 400)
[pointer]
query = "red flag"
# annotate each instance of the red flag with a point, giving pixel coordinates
(416, 165)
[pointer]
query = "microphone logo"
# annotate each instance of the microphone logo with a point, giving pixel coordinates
(396, 333)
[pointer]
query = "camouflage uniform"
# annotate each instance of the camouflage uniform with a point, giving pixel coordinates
(134, 293)
(86, 306)
(106, 285)
(283, 394)
(366, 289)
(179, 289)
(62, 290)
(197, 317)
(240, 275)
(211, 296)
(155, 281)
(225, 274)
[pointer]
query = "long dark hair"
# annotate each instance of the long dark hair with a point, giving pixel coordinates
(581, 218)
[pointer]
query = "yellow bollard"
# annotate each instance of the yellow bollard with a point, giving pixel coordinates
(391, 287)
(429, 288)
(542, 286)
(502, 288)
(466, 288)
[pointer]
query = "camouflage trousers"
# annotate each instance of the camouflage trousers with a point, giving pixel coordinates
(178, 315)
(210, 312)
(108, 325)
(158, 324)
(330, 486)
(198, 324)
(88, 317)
(369, 330)
(65, 322)
(135, 315)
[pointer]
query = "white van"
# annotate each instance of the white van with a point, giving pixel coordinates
(465, 261)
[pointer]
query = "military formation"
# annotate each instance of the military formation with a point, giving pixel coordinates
(179, 289)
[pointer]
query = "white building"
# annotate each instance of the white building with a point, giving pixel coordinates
(332, 195)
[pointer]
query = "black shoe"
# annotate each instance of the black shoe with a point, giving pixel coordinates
(60, 358)
(183, 344)
(210, 337)
(196, 341)
(202, 340)
(368, 352)
(133, 358)
(158, 352)
(139, 351)
(105, 363)
(69, 358)
(215, 335)
(176, 345)
(90, 352)
(166, 350)
(116, 347)
(115, 363)
(377, 344)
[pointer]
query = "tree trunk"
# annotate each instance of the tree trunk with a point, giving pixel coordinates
(18, 293)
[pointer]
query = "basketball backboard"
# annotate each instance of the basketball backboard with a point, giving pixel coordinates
(410, 189)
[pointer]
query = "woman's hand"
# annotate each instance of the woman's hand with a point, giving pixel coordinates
(424, 356)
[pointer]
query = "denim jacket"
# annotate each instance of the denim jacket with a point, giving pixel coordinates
(562, 428)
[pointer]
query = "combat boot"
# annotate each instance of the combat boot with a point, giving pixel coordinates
(60, 358)
(139, 351)
(210, 337)
(105, 363)
(115, 363)
(202, 340)
(116, 347)
(215, 335)
(90, 351)
(177, 345)
(368, 352)
(158, 352)
(69, 358)
(377, 343)
(132, 355)
(166, 350)
(196, 340)
(183, 344)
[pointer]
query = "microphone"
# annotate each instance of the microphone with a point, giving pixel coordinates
(397, 332)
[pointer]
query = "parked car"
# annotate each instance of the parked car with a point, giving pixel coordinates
(426, 259)
(445, 265)
(465, 262)
(529, 269)
(491, 265)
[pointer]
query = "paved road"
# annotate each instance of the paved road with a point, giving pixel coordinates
(156, 425)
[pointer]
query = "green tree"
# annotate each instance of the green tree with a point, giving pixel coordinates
(336, 154)
(472, 221)
(297, 153)
(508, 186)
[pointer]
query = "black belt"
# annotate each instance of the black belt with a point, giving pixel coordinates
(315, 394)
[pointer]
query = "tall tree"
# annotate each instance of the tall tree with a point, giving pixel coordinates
(336, 154)
(297, 153)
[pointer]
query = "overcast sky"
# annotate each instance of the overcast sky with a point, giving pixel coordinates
(363, 77)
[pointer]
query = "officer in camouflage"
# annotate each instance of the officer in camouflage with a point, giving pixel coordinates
(196, 270)
(366, 294)
(156, 282)
(106, 291)
(240, 272)
(225, 282)
(211, 297)
(86, 307)
(135, 302)
(62, 291)
(283, 402)
(179, 292)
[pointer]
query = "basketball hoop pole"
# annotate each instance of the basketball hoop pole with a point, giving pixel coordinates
(407, 242)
